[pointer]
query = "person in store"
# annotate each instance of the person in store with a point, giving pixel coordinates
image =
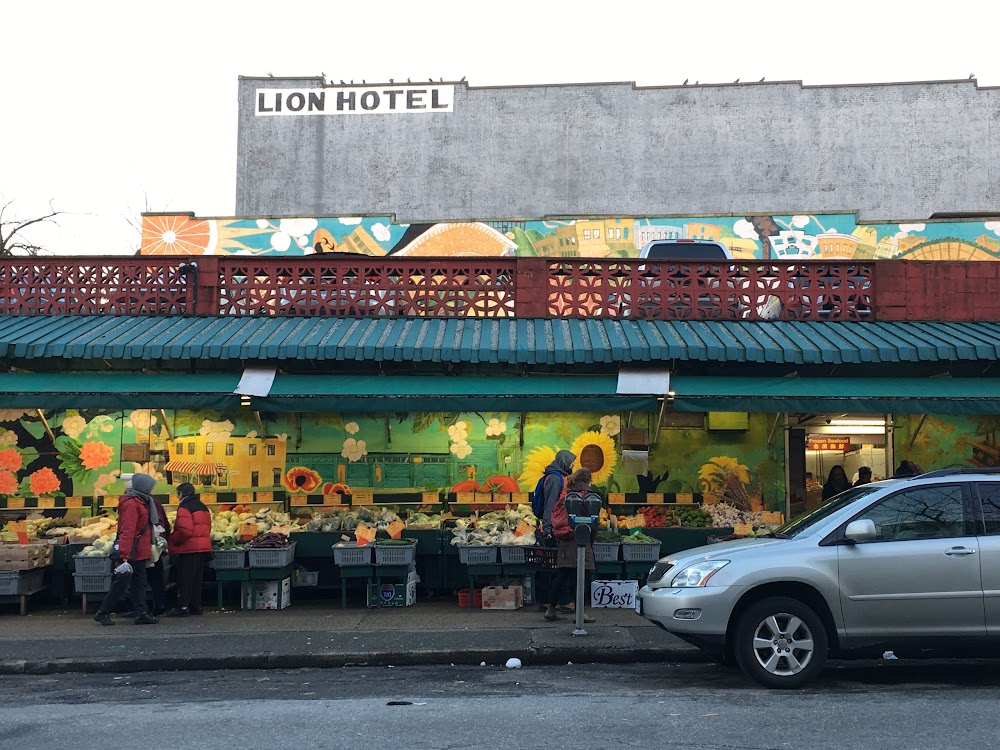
(133, 550)
(190, 547)
(553, 485)
(864, 476)
(566, 555)
(907, 469)
(836, 482)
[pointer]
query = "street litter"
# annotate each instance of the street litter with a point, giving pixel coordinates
(513, 663)
(889, 656)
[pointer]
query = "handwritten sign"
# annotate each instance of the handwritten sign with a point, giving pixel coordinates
(634, 522)
(654, 498)
(742, 529)
(465, 498)
(521, 498)
(248, 530)
(46, 502)
(208, 497)
(616, 498)
(364, 534)
(111, 502)
(362, 497)
(298, 500)
(262, 497)
(484, 498)
(15, 503)
(395, 529)
(244, 498)
(683, 498)
(74, 502)
(430, 498)
(524, 528)
(18, 527)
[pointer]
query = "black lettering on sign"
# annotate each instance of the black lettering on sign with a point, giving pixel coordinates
(262, 103)
(435, 104)
(392, 93)
(296, 102)
(345, 99)
(370, 100)
(317, 101)
(413, 99)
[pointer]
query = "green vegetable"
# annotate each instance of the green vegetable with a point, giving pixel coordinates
(637, 538)
(604, 536)
(395, 542)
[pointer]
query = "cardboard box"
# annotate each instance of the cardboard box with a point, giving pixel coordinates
(498, 597)
(394, 594)
(272, 594)
(614, 594)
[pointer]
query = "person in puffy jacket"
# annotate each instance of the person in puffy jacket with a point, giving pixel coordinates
(190, 547)
(133, 550)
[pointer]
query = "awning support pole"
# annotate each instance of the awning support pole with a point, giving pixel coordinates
(920, 426)
(260, 424)
(659, 419)
(166, 424)
(388, 430)
(770, 437)
(45, 424)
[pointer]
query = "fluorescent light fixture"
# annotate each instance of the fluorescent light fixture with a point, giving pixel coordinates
(857, 422)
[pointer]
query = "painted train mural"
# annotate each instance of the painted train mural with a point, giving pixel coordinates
(798, 236)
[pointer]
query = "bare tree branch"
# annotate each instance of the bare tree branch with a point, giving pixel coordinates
(12, 239)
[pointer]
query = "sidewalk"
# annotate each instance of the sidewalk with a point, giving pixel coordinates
(318, 633)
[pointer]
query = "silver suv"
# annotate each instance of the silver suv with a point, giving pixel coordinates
(907, 565)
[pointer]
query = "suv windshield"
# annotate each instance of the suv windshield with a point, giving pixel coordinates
(684, 251)
(796, 526)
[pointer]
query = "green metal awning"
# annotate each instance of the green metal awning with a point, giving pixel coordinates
(820, 395)
(340, 393)
(505, 341)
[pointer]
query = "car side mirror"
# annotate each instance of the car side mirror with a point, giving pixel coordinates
(860, 531)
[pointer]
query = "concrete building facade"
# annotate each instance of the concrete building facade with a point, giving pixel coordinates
(456, 152)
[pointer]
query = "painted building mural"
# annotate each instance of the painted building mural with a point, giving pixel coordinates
(799, 236)
(398, 453)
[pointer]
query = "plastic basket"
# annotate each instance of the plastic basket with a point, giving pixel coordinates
(229, 559)
(477, 598)
(640, 551)
(17, 582)
(512, 554)
(606, 551)
(395, 554)
(92, 566)
(477, 555)
(543, 556)
(347, 556)
(91, 584)
(305, 578)
(277, 557)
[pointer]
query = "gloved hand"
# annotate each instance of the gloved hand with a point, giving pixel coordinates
(124, 569)
(159, 529)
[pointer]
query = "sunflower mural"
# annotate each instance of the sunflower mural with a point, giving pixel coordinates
(534, 466)
(595, 451)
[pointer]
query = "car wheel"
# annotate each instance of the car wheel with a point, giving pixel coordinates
(780, 643)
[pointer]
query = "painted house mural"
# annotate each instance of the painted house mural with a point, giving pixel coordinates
(799, 236)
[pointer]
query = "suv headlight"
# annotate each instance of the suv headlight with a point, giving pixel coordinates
(697, 574)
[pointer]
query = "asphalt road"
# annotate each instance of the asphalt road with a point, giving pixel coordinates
(888, 706)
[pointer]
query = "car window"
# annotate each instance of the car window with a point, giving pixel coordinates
(797, 525)
(930, 512)
(990, 495)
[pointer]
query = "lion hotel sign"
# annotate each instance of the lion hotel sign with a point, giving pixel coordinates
(356, 100)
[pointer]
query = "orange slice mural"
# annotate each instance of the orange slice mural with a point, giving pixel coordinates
(172, 234)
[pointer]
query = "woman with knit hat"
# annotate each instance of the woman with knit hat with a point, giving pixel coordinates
(190, 547)
(133, 550)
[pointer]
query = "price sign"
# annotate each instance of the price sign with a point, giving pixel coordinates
(742, 529)
(208, 497)
(248, 530)
(616, 498)
(684, 498)
(484, 498)
(362, 497)
(364, 534)
(521, 498)
(244, 498)
(111, 502)
(74, 502)
(634, 522)
(299, 499)
(430, 498)
(15, 503)
(465, 498)
(524, 528)
(395, 529)
(654, 498)
(262, 497)
(46, 502)
(18, 527)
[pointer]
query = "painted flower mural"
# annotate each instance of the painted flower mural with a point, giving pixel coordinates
(611, 424)
(595, 451)
(301, 479)
(44, 481)
(534, 466)
(142, 419)
(74, 426)
(95, 455)
(8, 483)
(353, 450)
(103, 480)
(8, 437)
(11, 415)
(10, 459)
(461, 449)
(336, 489)
(495, 428)
(352, 428)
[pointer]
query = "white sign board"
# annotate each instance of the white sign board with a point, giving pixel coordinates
(356, 100)
(614, 594)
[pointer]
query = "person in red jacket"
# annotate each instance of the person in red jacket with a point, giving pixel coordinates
(190, 547)
(133, 550)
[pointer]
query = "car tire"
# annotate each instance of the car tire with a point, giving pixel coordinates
(780, 642)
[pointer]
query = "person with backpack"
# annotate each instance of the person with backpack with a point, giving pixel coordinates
(566, 554)
(548, 490)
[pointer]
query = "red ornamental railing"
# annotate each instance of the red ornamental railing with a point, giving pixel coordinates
(418, 287)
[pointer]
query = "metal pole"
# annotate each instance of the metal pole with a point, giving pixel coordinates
(581, 575)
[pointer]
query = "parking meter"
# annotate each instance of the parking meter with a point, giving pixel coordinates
(584, 511)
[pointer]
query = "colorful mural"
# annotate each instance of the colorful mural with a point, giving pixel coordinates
(799, 236)
(427, 451)
(946, 441)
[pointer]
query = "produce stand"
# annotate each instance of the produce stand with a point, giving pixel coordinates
(679, 539)
(17, 585)
(348, 572)
(481, 562)
(224, 576)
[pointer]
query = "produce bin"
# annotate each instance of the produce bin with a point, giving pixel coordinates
(395, 554)
(277, 557)
(91, 584)
(512, 554)
(477, 555)
(354, 555)
(19, 582)
(640, 551)
(228, 559)
(92, 566)
(606, 551)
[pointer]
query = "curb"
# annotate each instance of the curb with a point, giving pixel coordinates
(268, 660)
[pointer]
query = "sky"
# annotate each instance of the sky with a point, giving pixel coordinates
(113, 108)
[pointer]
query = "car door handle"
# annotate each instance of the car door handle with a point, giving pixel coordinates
(960, 552)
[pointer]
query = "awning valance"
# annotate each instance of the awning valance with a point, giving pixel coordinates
(821, 395)
(182, 467)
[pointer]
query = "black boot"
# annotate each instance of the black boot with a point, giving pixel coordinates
(146, 619)
(103, 618)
